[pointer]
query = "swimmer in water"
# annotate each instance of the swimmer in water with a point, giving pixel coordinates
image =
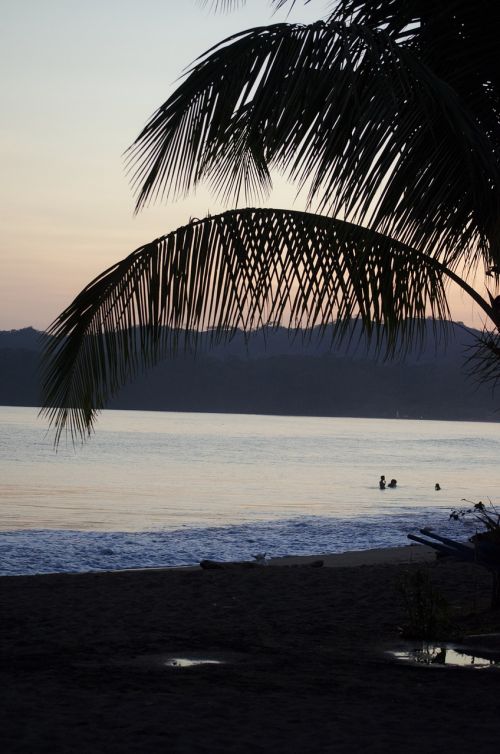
(437, 486)
(393, 483)
(381, 483)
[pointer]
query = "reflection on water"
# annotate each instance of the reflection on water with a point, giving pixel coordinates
(445, 655)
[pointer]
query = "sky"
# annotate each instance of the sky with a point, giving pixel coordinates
(79, 81)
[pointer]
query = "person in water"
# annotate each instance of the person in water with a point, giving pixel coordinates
(393, 483)
(437, 486)
(381, 483)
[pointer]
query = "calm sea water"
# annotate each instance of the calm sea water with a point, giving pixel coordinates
(157, 488)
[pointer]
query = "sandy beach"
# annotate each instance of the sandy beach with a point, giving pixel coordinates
(302, 660)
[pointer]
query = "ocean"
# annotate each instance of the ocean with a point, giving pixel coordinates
(163, 489)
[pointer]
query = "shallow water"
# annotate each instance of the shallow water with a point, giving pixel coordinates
(157, 488)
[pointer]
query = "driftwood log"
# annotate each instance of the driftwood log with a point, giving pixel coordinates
(481, 552)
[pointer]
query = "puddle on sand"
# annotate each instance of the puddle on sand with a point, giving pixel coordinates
(445, 655)
(190, 662)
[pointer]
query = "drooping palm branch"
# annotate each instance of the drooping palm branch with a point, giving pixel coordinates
(241, 269)
(387, 113)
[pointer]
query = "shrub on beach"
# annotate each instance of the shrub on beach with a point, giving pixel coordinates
(487, 515)
(427, 611)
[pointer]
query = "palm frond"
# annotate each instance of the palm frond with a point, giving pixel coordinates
(221, 5)
(431, 24)
(358, 118)
(483, 362)
(241, 269)
(456, 39)
(226, 5)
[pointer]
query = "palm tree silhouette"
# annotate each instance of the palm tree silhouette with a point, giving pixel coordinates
(386, 115)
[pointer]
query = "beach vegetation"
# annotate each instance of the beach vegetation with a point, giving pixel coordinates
(485, 551)
(486, 541)
(385, 116)
(427, 612)
(487, 516)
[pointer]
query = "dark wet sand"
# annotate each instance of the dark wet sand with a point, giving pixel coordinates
(80, 669)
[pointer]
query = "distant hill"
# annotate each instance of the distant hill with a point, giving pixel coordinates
(28, 338)
(273, 373)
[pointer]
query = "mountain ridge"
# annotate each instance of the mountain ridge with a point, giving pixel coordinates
(270, 372)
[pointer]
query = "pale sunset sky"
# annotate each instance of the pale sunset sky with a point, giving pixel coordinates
(78, 81)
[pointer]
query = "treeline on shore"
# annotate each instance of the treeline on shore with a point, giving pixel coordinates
(282, 375)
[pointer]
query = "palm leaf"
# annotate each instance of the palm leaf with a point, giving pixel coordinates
(223, 5)
(241, 269)
(348, 112)
(483, 362)
(226, 5)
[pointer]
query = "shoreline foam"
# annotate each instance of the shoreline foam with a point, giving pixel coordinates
(406, 554)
